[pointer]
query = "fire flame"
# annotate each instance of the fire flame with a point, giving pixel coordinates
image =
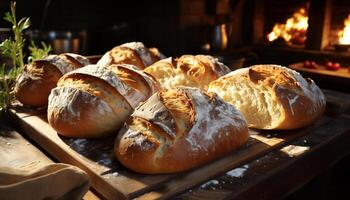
(344, 35)
(294, 30)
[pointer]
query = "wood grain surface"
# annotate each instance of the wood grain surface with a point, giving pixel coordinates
(113, 181)
(18, 153)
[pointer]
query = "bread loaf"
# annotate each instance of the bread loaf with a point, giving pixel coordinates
(94, 101)
(188, 70)
(33, 86)
(179, 129)
(271, 96)
(134, 53)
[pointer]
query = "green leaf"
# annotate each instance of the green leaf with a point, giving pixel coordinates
(13, 48)
(8, 17)
(37, 52)
(8, 47)
(23, 24)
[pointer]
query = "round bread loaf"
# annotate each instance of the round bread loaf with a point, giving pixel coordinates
(134, 53)
(34, 85)
(271, 96)
(94, 101)
(188, 70)
(179, 129)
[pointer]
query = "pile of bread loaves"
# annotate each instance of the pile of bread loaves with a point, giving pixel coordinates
(172, 114)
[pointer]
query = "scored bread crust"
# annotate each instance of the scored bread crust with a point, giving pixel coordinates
(133, 53)
(35, 83)
(272, 96)
(179, 129)
(188, 70)
(94, 101)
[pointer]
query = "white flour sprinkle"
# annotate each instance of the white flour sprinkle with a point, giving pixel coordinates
(291, 102)
(60, 63)
(210, 183)
(238, 172)
(220, 68)
(205, 123)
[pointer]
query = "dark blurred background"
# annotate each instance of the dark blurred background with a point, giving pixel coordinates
(174, 26)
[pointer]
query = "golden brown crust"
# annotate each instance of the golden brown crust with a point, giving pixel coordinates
(72, 61)
(288, 100)
(35, 83)
(33, 86)
(155, 54)
(94, 101)
(133, 53)
(178, 130)
(126, 55)
(136, 79)
(188, 70)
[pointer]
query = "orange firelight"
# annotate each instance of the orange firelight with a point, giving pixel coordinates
(344, 35)
(294, 30)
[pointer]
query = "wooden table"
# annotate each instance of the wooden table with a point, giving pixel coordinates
(334, 80)
(18, 152)
(272, 165)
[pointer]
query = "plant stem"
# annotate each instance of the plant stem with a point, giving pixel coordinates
(18, 35)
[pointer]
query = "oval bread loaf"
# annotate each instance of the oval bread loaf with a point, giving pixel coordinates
(271, 96)
(179, 129)
(134, 53)
(188, 70)
(34, 85)
(94, 101)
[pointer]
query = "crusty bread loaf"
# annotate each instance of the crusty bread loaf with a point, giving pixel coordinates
(271, 96)
(179, 129)
(33, 86)
(134, 53)
(188, 70)
(94, 101)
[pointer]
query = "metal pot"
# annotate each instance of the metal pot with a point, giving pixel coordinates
(60, 41)
(219, 36)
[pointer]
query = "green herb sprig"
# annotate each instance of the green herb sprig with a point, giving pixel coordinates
(37, 52)
(13, 49)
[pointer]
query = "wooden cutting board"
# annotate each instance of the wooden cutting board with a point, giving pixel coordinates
(16, 152)
(113, 181)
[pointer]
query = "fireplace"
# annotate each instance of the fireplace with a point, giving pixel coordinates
(299, 31)
(305, 24)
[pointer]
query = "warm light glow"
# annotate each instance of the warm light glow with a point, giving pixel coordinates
(344, 35)
(294, 30)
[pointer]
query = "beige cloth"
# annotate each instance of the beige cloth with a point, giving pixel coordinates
(54, 181)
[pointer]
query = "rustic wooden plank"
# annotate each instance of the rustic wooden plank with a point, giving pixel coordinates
(327, 146)
(113, 181)
(25, 111)
(17, 152)
(337, 102)
(282, 171)
(91, 196)
(259, 144)
(93, 156)
(342, 72)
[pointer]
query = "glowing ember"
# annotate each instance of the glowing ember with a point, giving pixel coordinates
(344, 35)
(294, 30)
